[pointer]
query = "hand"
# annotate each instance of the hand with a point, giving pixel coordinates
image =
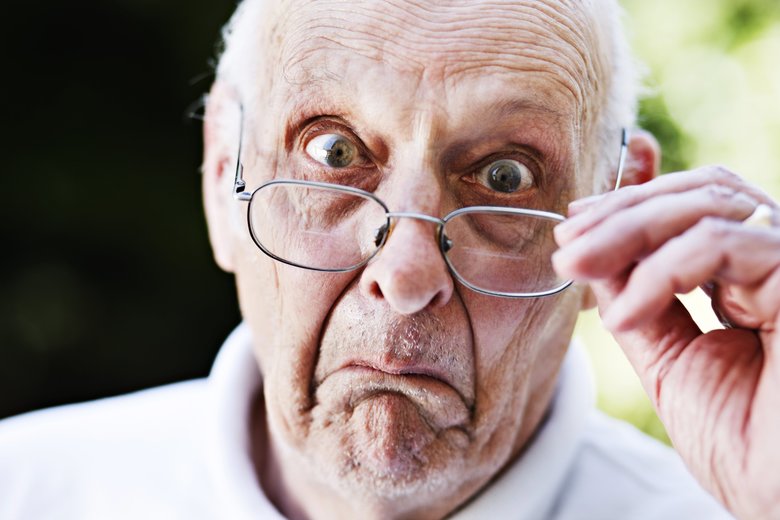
(718, 394)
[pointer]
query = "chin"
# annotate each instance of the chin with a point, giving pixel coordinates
(384, 449)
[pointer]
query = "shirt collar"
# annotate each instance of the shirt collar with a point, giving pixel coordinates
(526, 490)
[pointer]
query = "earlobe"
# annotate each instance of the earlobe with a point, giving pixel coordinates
(588, 299)
(643, 162)
(217, 164)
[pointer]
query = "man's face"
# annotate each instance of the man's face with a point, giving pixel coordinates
(395, 378)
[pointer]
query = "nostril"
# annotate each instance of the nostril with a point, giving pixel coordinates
(441, 298)
(375, 291)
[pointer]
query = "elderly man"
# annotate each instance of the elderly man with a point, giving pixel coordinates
(387, 181)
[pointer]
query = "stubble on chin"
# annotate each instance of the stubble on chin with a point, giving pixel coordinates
(384, 449)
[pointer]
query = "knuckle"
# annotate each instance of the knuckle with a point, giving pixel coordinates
(625, 195)
(678, 282)
(629, 191)
(718, 194)
(724, 176)
(714, 228)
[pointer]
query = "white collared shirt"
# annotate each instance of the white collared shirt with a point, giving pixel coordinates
(183, 451)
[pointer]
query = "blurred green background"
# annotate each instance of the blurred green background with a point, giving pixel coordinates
(713, 97)
(106, 281)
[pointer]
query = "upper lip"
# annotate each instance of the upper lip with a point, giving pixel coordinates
(407, 350)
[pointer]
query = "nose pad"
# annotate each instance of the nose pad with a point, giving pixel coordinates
(382, 232)
(380, 235)
(446, 243)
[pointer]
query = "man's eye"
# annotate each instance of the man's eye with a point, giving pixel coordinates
(506, 176)
(332, 150)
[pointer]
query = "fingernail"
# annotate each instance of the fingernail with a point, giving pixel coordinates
(565, 264)
(561, 233)
(562, 265)
(560, 259)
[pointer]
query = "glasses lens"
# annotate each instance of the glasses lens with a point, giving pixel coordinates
(503, 252)
(315, 227)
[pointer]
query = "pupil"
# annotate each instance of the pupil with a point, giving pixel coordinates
(339, 153)
(505, 177)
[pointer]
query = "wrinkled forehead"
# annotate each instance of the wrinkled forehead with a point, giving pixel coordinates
(432, 50)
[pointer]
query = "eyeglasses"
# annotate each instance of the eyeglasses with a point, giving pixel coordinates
(497, 251)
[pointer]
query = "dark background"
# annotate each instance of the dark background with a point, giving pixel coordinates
(107, 283)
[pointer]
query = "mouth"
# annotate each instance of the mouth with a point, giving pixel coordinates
(439, 404)
(414, 370)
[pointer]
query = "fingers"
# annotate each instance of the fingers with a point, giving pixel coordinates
(670, 236)
(637, 231)
(712, 249)
(593, 210)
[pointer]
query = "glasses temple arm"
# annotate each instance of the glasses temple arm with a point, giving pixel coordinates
(239, 185)
(622, 158)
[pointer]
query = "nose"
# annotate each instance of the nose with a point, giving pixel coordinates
(409, 273)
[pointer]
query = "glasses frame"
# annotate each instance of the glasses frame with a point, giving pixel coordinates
(241, 194)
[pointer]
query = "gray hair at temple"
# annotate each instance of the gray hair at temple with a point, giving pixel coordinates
(244, 34)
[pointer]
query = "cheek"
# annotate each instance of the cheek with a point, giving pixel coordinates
(503, 325)
(283, 305)
(514, 340)
(505, 347)
(495, 323)
(285, 308)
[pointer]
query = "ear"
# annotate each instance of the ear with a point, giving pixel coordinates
(643, 162)
(588, 299)
(219, 156)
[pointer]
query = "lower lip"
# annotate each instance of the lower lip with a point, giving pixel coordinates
(438, 403)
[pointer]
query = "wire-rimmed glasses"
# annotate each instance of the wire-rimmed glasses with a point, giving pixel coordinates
(498, 251)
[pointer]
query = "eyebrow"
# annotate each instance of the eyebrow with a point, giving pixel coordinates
(511, 107)
(508, 110)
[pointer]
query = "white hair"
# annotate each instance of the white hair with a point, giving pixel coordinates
(623, 75)
(243, 37)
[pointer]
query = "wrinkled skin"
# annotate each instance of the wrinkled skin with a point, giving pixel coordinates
(718, 393)
(393, 391)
